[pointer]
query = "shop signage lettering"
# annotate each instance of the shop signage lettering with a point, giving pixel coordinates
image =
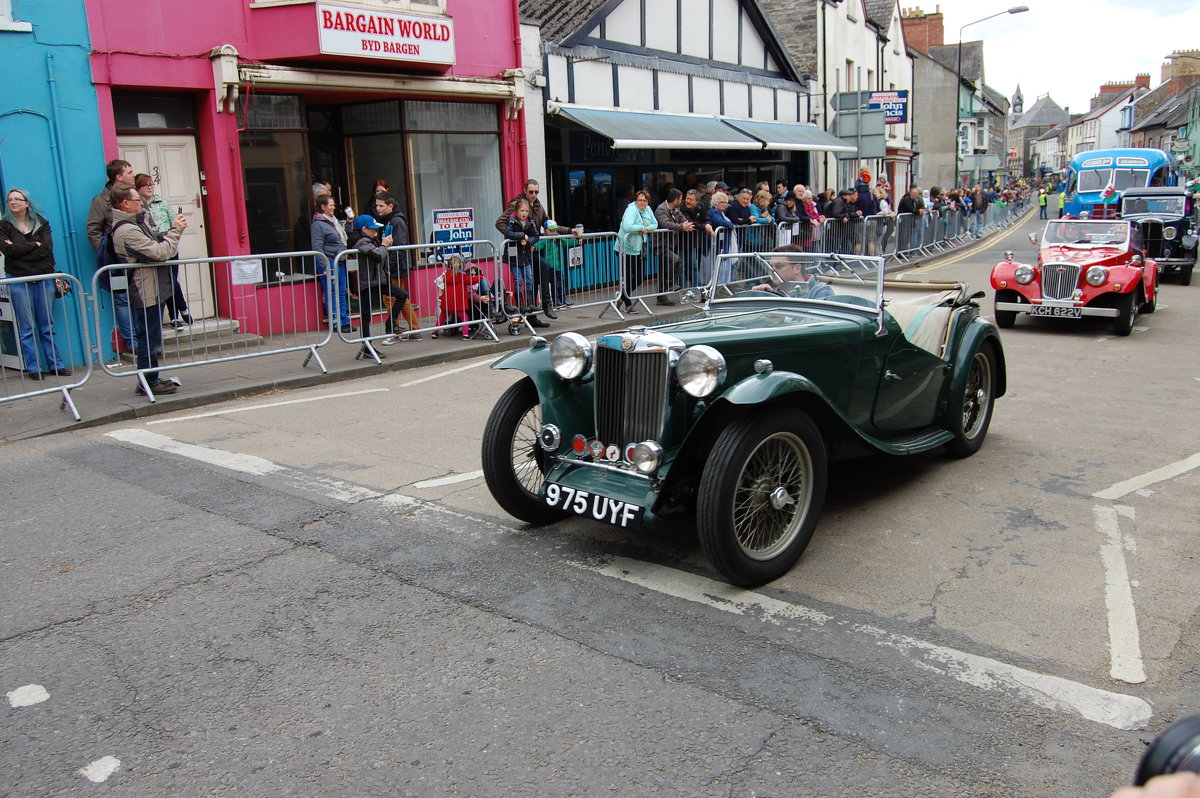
(348, 31)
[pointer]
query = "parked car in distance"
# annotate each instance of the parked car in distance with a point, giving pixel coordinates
(1084, 268)
(733, 414)
(1167, 221)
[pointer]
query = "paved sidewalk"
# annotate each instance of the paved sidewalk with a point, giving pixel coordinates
(105, 399)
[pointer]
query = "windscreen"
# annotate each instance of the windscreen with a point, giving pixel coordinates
(1084, 234)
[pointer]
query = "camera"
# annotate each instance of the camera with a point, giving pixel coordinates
(1177, 749)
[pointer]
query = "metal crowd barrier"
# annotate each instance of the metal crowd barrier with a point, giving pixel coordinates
(475, 259)
(583, 269)
(197, 336)
(43, 342)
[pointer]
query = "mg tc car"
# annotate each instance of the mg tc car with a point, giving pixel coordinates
(731, 416)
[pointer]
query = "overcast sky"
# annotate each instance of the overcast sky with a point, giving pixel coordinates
(1068, 48)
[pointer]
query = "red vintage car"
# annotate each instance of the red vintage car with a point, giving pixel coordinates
(1084, 268)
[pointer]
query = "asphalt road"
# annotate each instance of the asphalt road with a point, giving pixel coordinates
(312, 593)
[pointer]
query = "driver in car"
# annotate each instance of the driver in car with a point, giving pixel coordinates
(788, 279)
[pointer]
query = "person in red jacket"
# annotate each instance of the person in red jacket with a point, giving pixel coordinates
(456, 294)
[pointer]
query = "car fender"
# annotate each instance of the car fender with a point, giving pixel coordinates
(561, 399)
(979, 332)
(770, 385)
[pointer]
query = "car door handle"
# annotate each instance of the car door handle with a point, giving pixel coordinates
(891, 375)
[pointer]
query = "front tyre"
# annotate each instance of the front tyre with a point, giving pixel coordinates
(1127, 309)
(970, 426)
(513, 462)
(761, 495)
(1005, 318)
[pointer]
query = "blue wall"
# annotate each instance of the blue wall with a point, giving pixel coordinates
(50, 143)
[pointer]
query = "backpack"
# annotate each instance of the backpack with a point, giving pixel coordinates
(106, 255)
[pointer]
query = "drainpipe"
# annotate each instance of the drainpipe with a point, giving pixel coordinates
(64, 191)
(824, 97)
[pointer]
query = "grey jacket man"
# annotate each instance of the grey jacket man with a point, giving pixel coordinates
(137, 242)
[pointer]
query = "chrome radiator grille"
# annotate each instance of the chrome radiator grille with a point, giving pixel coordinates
(1059, 280)
(631, 395)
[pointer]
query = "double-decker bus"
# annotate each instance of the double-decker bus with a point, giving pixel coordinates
(1096, 179)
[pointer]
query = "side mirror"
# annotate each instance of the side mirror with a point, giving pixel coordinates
(1033, 237)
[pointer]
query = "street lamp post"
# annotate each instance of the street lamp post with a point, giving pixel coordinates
(958, 81)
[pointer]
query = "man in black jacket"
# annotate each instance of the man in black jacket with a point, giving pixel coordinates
(395, 224)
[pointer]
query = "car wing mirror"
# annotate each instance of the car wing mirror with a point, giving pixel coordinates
(1033, 237)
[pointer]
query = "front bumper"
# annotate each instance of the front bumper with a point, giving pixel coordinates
(1084, 310)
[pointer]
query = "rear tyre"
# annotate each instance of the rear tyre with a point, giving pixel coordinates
(1127, 308)
(979, 395)
(761, 495)
(513, 462)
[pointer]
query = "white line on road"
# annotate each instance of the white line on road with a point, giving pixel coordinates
(248, 464)
(1051, 692)
(232, 410)
(452, 479)
(1149, 478)
(441, 374)
(1124, 643)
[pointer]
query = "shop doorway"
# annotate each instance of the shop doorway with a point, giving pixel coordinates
(173, 163)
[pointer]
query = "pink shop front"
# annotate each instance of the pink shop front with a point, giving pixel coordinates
(244, 105)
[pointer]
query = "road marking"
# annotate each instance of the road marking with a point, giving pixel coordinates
(1051, 692)
(1124, 643)
(27, 696)
(1149, 478)
(452, 479)
(232, 410)
(248, 464)
(441, 374)
(101, 769)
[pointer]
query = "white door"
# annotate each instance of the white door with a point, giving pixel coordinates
(172, 162)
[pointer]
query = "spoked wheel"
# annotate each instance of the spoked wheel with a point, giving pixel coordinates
(1127, 310)
(761, 495)
(979, 395)
(513, 462)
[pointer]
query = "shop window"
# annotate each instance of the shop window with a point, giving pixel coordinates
(474, 182)
(365, 118)
(270, 112)
(442, 116)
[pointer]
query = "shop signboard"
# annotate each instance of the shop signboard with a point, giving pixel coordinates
(377, 33)
(452, 225)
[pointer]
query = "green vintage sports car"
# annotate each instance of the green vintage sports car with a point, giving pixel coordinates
(735, 412)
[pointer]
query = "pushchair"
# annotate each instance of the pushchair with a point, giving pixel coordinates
(491, 303)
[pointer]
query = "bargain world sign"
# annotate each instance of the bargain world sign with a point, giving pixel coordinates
(360, 33)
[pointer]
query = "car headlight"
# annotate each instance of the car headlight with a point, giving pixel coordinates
(700, 370)
(570, 355)
(1169, 233)
(1024, 274)
(646, 456)
(1189, 241)
(1097, 275)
